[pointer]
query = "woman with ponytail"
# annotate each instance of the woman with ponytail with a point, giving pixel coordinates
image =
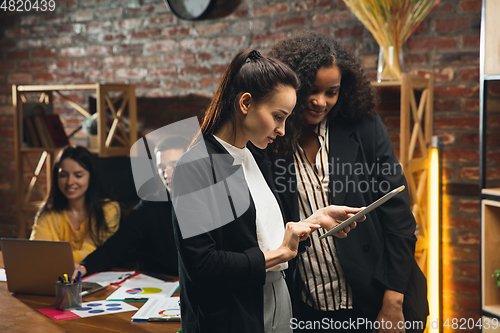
(230, 233)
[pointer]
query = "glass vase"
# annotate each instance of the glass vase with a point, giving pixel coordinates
(390, 63)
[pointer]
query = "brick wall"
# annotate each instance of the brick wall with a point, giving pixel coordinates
(176, 65)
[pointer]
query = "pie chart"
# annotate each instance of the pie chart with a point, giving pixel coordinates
(143, 291)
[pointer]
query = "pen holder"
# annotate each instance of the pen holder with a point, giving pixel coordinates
(68, 295)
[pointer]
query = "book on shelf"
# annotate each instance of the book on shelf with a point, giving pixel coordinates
(56, 130)
(42, 131)
(31, 132)
(31, 110)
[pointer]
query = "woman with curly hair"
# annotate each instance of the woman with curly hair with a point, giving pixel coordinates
(74, 210)
(337, 151)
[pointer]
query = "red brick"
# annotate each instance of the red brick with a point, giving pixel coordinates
(20, 78)
(421, 28)
(456, 91)
(55, 18)
(71, 76)
(195, 70)
(148, 85)
(99, 50)
(98, 26)
(58, 64)
(141, 10)
(18, 55)
(461, 155)
(452, 24)
(471, 74)
(456, 122)
(145, 34)
(448, 138)
(287, 22)
(209, 82)
(113, 37)
(470, 40)
(469, 304)
(129, 24)
(231, 41)
(267, 38)
(468, 206)
(162, 72)
(470, 6)
(440, 75)
(128, 49)
(162, 20)
(16, 33)
(118, 61)
(461, 254)
(494, 122)
(175, 31)
(311, 5)
(100, 74)
(180, 58)
(67, 4)
(204, 56)
(245, 26)
(32, 66)
(334, 18)
(416, 59)
(270, 10)
(220, 69)
(57, 41)
(82, 15)
(470, 105)
(110, 13)
(468, 239)
(46, 76)
(469, 270)
(209, 29)
(464, 223)
(494, 156)
(350, 32)
(442, 8)
(445, 105)
(29, 20)
(130, 73)
(29, 43)
(7, 44)
(195, 43)
(431, 43)
(86, 63)
(185, 84)
(147, 60)
(71, 52)
(160, 46)
(44, 53)
(42, 30)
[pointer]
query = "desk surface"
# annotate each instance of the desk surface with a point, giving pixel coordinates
(19, 313)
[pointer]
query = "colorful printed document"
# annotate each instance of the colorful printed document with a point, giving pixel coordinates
(109, 277)
(161, 309)
(142, 291)
(88, 309)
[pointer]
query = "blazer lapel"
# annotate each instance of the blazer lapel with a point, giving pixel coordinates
(343, 151)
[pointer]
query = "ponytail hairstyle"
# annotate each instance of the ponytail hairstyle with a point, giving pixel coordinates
(56, 200)
(250, 72)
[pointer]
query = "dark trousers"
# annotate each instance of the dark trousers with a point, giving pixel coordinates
(308, 320)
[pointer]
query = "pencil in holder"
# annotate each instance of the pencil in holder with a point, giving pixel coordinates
(68, 295)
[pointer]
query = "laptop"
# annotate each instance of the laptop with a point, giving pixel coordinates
(33, 267)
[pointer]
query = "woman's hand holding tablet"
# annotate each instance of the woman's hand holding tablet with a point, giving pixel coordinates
(363, 212)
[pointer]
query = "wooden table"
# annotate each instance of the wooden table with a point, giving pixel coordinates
(18, 313)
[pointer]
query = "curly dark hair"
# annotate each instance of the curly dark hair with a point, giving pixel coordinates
(306, 53)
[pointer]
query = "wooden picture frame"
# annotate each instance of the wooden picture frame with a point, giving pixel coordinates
(491, 38)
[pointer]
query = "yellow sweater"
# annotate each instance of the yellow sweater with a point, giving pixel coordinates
(55, 226)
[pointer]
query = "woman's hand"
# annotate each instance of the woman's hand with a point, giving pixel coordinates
(82, 268)
(331, 216)
(295, 232)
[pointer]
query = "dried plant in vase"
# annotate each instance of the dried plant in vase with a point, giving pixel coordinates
(390, 22)
(496, 275)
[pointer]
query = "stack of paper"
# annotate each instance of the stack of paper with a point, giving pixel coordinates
(142, 291)
(161, 309)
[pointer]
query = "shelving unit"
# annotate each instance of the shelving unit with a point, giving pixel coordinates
(416, 135)
(489, 70)
(113, 140)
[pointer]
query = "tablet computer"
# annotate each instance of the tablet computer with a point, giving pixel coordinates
(362, 212)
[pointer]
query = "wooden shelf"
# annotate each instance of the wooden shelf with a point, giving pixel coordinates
(491, 191)
(115, 103)
(490, 259)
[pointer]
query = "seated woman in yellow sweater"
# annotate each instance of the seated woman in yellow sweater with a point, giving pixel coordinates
(74, 210)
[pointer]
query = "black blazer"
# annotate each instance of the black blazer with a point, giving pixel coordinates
(379, 253)
(221, 271)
